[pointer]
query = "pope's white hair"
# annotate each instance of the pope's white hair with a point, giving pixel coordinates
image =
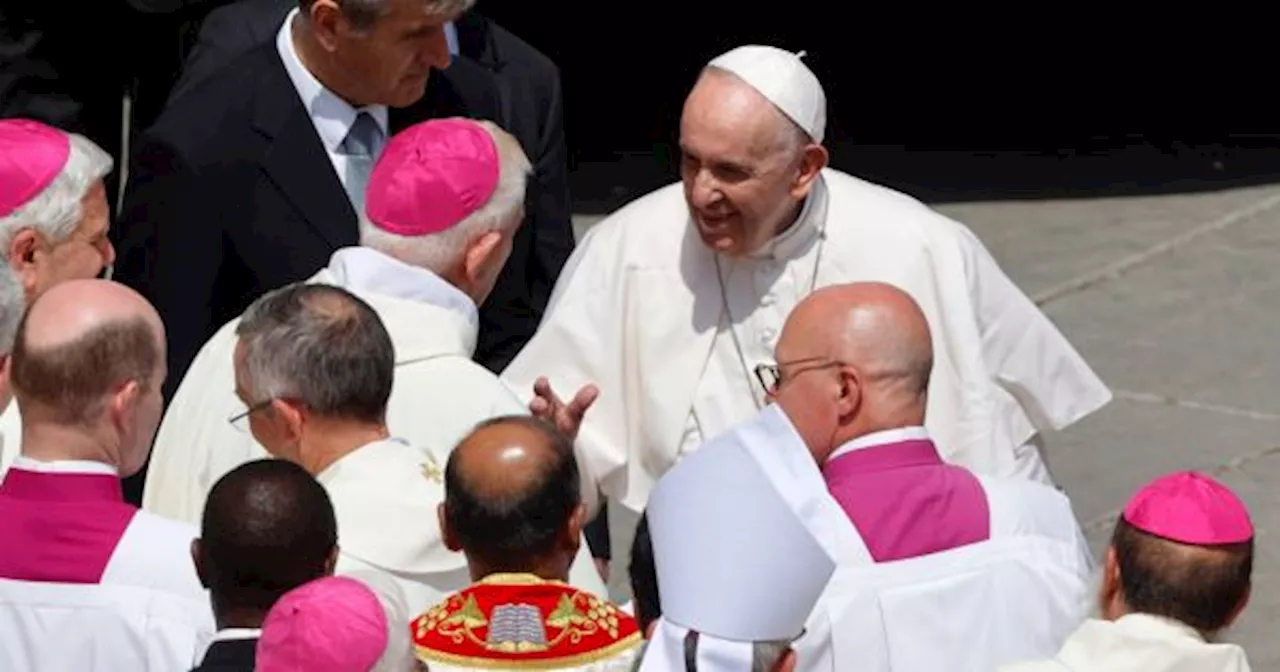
(55, 213)
(439, 251)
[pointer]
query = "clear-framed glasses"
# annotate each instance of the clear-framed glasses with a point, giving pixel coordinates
(241, 421)
(770, 375)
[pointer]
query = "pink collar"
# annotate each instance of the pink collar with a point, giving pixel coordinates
(61, 486)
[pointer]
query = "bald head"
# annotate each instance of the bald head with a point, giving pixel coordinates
(875, 327)
(511, 493)
(78, 343)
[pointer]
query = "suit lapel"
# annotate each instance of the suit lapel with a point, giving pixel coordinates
(296, 161)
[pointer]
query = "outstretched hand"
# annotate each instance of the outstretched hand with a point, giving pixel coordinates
(567, 417)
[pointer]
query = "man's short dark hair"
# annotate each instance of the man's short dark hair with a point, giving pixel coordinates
(644, 576)
(268, 527)
(1196, 585)
(73, 379)
(507, 532)
(364, 13)
(320, 345)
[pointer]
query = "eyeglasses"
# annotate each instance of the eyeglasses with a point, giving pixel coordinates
(770, 375)
(241, 421)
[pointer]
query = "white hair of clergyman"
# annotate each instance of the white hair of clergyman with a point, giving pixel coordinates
(438, 251)
(55, 213)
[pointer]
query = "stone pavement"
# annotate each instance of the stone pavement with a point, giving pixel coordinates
(1175, 301)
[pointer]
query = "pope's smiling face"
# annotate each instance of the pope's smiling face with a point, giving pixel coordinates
(746, 168)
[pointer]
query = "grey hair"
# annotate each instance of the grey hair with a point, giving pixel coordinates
(322, 346)
(765, 655)
(13, 304)
(56, 212)
(438, 251)
(364, 13)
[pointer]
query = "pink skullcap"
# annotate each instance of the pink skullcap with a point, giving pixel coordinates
(31, 155)
(334, 624)
(431, 176)
(1190, 508)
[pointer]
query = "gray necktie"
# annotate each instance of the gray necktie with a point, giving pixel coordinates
(360, 147)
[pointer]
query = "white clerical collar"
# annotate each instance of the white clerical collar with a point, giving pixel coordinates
(331, 472)
(363, 269)
(332, 116)
(236, 634)
(1160, 625)
(64, 466)
(809, 224)
(881, 438)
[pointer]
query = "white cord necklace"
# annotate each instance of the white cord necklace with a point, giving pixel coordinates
(747, 369)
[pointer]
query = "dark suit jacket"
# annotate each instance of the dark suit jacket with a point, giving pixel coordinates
(532, 111)
(232, 194)
(528, 85)
(235, 655)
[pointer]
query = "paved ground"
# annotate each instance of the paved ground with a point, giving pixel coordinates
(1175, 300)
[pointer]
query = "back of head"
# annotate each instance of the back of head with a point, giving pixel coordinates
(511, 490)
(268, 527)
(45, 174)
(1182, 549)
(870, 338)
(321, 346)
(78, 345)
(439, 187)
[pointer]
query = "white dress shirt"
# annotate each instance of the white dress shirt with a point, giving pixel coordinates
(332, 116)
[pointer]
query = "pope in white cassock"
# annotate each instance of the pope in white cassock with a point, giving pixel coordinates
(444, 202)
(668, 306)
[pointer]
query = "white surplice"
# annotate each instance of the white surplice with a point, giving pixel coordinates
(1017, 595)
(385, 497)
(60, 627)
(638, 311)
(1139, 643)
(438, 396)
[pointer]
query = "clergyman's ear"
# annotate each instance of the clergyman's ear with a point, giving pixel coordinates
(21, 256)
(447, 533)
(478, 255)
(196, 557)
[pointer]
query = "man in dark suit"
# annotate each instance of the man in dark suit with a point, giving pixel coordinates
(528, 85)
(55, 71)
(268, 527)
(240, 187)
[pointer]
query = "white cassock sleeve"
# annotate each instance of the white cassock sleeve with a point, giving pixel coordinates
(1028, 357)
(582, 340)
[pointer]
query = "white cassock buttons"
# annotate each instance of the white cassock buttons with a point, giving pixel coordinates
(766, 336)
(767, 300)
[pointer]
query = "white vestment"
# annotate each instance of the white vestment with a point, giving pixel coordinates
(1139, 643)
(61, 627)
(1015, 596)
(147, 611)
(438, 396)
(639, 312)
